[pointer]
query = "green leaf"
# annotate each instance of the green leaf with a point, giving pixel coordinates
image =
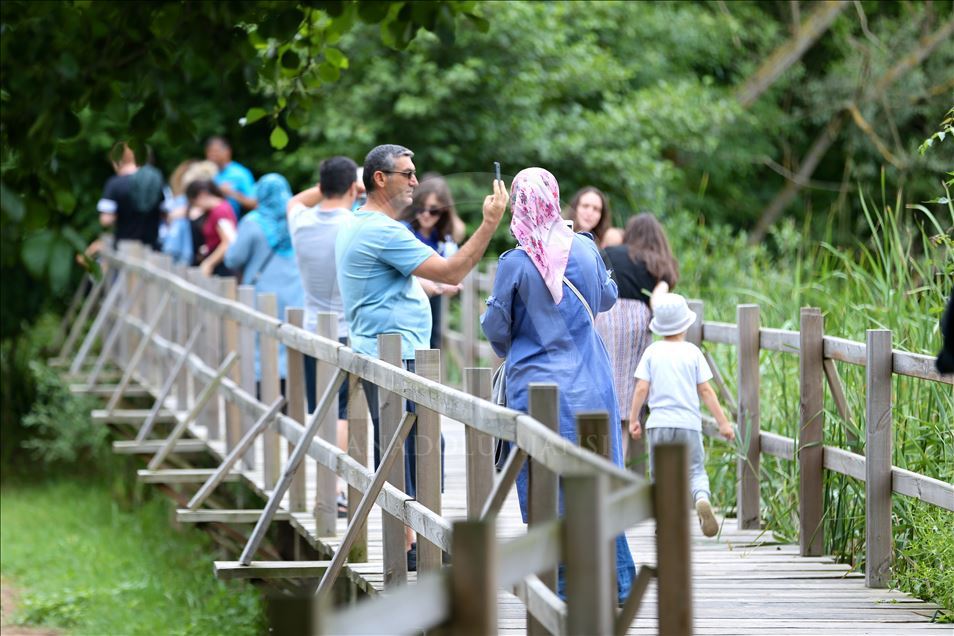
(278, 138)
(328, 73)
(60, 264)
(373, 11)
(254, 114)
(65, 199)
(290, 60)
(336, 57)
(481, 24)
(11, 203)
(36, 250)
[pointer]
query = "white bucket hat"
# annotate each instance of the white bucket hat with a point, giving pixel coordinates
(671, 315)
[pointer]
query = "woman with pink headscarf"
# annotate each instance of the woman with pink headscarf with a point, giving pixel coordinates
(545, 331)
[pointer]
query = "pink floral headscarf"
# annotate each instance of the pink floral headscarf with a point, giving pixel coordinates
(538, 226)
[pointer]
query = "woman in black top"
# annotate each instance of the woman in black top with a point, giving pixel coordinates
(644, 268)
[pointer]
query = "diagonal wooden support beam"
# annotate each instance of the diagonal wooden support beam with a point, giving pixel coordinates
(114, 333)
(98, 322)
(508, 476)
(179, 476)
(64, 329)
(138, 353)
(291, 467)
(153, 415)
(366, 503)
(270, 569)
(235, 454)
(631, 607)
(207, 392)
(225, 516)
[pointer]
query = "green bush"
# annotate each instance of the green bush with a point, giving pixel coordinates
(925, 558)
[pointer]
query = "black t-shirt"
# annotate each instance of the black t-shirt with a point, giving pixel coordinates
(632, 277)
(130, 222)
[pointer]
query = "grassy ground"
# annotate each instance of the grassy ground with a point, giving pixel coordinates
(86, 565)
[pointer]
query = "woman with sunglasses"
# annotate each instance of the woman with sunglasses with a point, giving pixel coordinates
(432, 217)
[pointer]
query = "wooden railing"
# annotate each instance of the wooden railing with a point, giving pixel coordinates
(149, 324)
(818, 354)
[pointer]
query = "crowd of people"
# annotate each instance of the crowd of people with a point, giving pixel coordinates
(574, 304)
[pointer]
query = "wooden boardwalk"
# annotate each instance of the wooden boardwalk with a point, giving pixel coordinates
(745, 582)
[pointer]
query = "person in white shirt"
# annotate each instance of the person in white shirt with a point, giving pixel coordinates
(674, 375)
(314, 217)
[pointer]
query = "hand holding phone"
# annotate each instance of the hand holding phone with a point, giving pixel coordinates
(497, 170)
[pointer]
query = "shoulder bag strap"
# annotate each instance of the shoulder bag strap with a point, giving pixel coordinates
(589, 312)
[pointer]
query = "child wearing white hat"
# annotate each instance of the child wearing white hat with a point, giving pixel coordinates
(674, 375)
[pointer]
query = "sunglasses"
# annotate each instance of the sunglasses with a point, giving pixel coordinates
(433, 211)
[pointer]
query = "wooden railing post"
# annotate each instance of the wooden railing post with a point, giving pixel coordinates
(358, 425)
(427, 364)
(673, 554)
(588, 597)
(479, 447)
(295, 390)
(593, 429)
(878, 434)
(233, 414)
(246, 365)
(183, 330)
(542, 490)
(391, 406)
(326, 481)
(748, 466)
(474, 579)
(695, 333)
(270, 384)
(811, 535)
(213, 335)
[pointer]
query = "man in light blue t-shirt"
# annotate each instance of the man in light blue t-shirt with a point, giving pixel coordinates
(234, 179)
(377, 260)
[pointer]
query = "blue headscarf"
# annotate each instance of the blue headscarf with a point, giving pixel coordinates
(273, 193)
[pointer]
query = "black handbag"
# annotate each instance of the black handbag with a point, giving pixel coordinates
(498, 395)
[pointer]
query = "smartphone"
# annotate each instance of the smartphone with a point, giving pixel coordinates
(497, 170)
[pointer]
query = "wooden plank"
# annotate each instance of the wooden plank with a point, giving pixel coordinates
(473, 578)
(836, 387)
(777, 445)
(543, 604)
(213, 339)
(879, 550)
(845, 350)
(183, 332)
(225, 468)
(933, 491)
(673, 554)
(270, 569)
(358, 425)
(427, 363)
(917, 365)
(79, 323)
(721, 332)
(208, 392)
(152, 417)
(246, 349)
(291, 467)
(694, 335)
(230, 331)
(390, 415)
(107, 390)
(270, 384)
(593, 431)
(811, 437)
(295, 389)
(180, 476)
(388, 459)
(184, 515)
(104, 312)
(479, 447)
(138, 353)
(748, 471)
(149, 447)
(542, 487)
(844, 462)
(130, 417)
(407, 610)
(781, 340)
(326, 482)
(633, 602)
(506, 480)
(587, 566)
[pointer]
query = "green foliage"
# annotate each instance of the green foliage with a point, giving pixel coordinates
(106, 571)
(925, 560)
(60, 430)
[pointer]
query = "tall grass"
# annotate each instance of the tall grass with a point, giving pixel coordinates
(897, 276)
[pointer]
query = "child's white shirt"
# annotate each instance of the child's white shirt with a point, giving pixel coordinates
(674, 370)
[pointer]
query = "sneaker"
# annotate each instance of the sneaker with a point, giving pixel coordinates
(412, 558)
(706, 518)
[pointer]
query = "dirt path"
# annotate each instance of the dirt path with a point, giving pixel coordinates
(9, 595)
